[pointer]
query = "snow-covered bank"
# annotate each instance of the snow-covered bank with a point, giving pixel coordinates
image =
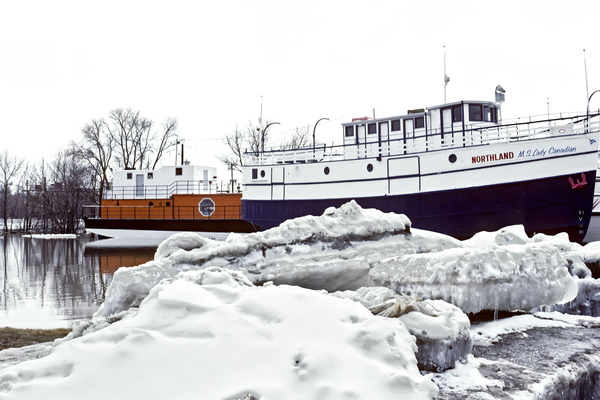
(295, 312)
(212, 334)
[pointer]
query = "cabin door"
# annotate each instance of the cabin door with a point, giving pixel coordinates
(446, 123)
(139, 185)
(361, 137)
(205, 183)
(384, 144)
(409, 134)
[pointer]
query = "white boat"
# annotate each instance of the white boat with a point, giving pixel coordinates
(452, 168)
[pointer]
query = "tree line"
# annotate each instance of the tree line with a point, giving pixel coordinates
(49, 196)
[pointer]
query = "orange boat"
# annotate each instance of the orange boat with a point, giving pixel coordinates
(167, 200)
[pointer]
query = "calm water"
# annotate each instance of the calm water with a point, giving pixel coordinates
(49, 283)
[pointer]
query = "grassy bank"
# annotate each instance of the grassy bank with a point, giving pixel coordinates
(11, 337)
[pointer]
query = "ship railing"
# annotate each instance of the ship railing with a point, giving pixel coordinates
(434, 139)
(166, 191)
(162, 212)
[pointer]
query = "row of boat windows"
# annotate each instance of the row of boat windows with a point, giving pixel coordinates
(477, 113)
(178, 171)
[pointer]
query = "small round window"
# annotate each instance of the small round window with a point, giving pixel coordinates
(326, 170)
(150, 204)
(206, 207)
(262, 173)
(452, 158)
(370, 167)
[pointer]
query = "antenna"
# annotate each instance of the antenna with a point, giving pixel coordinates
(260, 119)
(446, 77)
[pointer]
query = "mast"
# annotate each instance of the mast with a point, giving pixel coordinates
(446, 77)
(587, 90)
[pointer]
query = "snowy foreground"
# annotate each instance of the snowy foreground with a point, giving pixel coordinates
(354, 304)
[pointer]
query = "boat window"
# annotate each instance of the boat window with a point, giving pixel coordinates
(457, 113)
(254, 173)
(420, 122)
(178, 171)
(395, 125)
(490, 114)
(150, 204)
(168, 204)
(129, 175)
(372, 128)
(475, 113)
(349, 131)
(150, 175)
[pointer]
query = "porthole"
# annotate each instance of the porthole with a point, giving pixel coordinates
(206, 207)
(262, 173)
(168, 204)
(370, 167)
(326, 170)
(452, 158)
(150, 204)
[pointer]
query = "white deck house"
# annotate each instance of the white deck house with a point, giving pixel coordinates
(164, 182)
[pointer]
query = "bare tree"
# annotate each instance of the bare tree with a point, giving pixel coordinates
(168, 139)
(29, 204)
(298, 139)
(235, 142)
(10, 168)
(252, 140)
(126, 140)
(135, 142)
(62, 188)
(97, 149)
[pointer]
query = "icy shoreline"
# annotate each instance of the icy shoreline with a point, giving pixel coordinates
(350, 304)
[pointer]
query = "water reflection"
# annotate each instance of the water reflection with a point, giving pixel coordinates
(49, 283)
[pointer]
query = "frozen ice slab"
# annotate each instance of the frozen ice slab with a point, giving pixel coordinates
(501, 277)
(333, 252)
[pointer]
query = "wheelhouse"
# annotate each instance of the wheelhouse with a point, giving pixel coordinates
(436, 127)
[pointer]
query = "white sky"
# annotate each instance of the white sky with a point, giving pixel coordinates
(64, 63)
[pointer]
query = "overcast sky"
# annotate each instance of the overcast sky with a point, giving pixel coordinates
(207, 63)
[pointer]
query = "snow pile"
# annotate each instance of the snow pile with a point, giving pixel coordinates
(333, 252)
(504, 270)
(350, 247)
(441, 329)
(212, 334)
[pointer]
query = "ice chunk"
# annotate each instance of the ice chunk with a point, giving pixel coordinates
(587, 301)
(192, 332)
(507, 277)
(441, 329)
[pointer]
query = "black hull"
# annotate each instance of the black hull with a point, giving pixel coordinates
(548, 205)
